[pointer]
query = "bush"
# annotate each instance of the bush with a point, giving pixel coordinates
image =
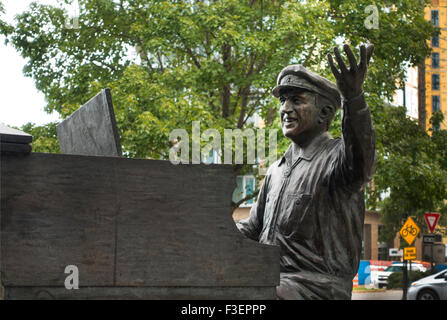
(395, 279)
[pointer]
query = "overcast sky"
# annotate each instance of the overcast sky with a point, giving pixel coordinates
(20, 101)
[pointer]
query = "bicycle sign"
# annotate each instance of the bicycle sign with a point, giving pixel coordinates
(409, 231)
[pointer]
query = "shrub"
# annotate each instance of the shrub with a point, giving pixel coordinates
(395, 279)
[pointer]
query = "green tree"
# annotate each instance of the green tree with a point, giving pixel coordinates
(5, 28)
(216, 59)
(439, 139)
(411, 174)
(44, 137)
(171, 62)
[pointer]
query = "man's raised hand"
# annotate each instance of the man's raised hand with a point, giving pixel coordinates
(350, 81)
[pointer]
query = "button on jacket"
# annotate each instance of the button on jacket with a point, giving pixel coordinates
(313, 209)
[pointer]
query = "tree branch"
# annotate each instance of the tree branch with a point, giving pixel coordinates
(143, 55)
(193, 57)
(160, 62)
(226, 99)
(310, 52)
(246, 92)
(233, 108)
(236, 205)
(190, 52)
(253, 109)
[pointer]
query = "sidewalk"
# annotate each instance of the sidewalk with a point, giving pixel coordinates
(377, 295)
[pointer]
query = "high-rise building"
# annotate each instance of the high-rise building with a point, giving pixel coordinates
(435, 68)
(408, 96)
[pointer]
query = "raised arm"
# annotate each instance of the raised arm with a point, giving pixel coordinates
(358, 133)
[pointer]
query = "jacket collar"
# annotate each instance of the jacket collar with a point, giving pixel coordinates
(308, 152)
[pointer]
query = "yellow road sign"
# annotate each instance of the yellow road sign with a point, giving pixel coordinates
(409, 231)
(410, 253)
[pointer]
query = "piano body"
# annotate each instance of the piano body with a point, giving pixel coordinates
(134, 229)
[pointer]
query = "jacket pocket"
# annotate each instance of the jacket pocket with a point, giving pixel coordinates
(296, 209)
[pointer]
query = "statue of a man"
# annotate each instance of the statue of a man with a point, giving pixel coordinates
(312, 201)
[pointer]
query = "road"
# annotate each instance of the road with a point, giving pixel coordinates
(378, 295)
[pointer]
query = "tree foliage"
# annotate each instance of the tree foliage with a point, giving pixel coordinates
(5, 28)
(395, 280)
(44, 137)
(171, 62)
(411, 174)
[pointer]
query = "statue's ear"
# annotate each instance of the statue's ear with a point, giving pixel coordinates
(326, 113)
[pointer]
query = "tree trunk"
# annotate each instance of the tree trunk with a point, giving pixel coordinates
(226, 93)
(245, 94)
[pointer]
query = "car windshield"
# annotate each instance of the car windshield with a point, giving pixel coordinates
(441, 275)
(393, 269)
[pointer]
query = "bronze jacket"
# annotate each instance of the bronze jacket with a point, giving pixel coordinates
(313, 209)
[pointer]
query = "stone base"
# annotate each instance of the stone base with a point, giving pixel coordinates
(141, 293)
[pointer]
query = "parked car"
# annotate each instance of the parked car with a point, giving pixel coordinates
(382, 276)
(433, 287)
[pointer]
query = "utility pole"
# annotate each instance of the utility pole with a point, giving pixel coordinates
(432, 269)
(404, 281)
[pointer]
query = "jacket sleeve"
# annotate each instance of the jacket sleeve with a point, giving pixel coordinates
(251, 227)
(357, 154)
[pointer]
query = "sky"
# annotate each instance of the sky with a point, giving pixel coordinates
(20, 101)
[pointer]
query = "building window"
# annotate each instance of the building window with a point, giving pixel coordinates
(245, 187)
(213, 157)
(435, 106)
(383, 249)
(435, 41)
(435, 103)
(382, 252)
(435, 17)
(435, 60)
(435, 82)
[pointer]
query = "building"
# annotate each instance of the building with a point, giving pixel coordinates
(408, 96)
(434, 70)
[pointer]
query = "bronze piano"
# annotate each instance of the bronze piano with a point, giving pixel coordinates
(133, 228)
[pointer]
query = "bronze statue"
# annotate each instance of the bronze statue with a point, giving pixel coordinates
(311, 203)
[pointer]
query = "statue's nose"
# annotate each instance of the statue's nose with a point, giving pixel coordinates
(285, 113)
(287, 106)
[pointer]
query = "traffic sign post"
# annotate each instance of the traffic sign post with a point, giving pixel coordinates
(432, 219)
(404, 281)
(409, 255)
(409, 232)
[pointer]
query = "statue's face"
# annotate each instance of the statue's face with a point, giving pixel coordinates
(299, 115)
